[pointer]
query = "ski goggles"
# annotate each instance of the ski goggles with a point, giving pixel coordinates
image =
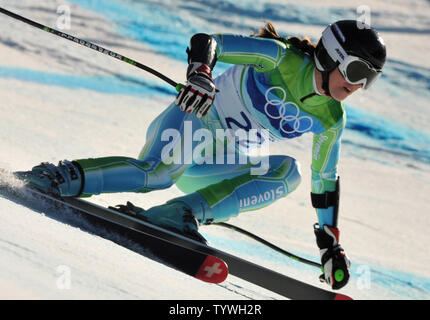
(357, 71)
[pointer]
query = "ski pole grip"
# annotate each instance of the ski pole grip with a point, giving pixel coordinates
(339, 275)
(179, 86)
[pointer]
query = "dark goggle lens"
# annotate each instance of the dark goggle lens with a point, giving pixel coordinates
(359, 70)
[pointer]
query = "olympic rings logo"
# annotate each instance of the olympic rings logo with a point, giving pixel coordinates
(280, 113)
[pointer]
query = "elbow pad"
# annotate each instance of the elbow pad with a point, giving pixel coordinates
(202, 49)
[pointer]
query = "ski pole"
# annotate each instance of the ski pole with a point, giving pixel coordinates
(93, 46)
(268, 244)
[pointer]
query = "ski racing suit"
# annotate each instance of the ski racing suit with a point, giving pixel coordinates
(271, 86)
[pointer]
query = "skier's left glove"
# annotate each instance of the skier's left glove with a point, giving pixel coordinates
(335, 263)
(198, 94)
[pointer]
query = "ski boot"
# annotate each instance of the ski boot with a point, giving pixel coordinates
(181, 215)
(64, 180)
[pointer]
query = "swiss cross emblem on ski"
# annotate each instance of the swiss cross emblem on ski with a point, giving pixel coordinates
(213, 270)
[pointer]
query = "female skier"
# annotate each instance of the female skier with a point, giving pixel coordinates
(284, 86)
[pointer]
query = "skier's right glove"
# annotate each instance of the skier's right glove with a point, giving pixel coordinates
(335, 263)
(198, 94)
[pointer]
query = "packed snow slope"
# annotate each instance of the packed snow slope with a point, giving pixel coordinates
(63, 101)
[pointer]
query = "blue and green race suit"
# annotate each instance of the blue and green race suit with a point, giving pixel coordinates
(264, 89)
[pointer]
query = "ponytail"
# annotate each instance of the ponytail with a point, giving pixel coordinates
(304, 45)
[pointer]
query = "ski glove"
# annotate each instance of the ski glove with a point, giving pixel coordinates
(335, 263)
(199, 91)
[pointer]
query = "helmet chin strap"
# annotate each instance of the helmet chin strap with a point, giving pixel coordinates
(325, 82)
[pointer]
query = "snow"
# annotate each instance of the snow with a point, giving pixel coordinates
(63, 101)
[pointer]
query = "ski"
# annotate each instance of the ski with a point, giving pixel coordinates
(172, 247)
(202, 266)
(253, 273)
